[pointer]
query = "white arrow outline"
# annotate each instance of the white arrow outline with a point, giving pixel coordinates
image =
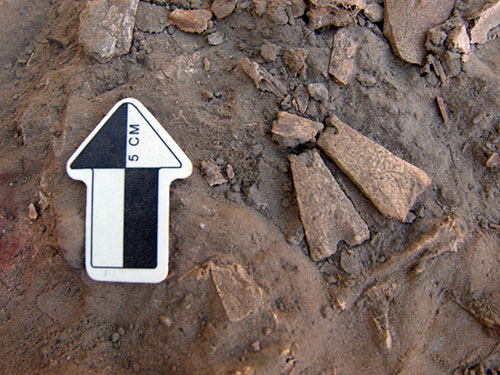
(165, 177)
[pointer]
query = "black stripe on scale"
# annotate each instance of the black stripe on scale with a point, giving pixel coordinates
(140, 231)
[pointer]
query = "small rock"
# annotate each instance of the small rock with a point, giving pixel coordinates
(259, 7)
(255, 346)
(216, 38)
(206, 64)
(151, 18)
(452, 63)
(374, 12)
(291, 130)
(269, 51)
(366, 80)
(262, 79)
(318, 92)
(442, 108)
(190, 21)
(223, 8)
(342, 58)
(485, 19)
(165, 320)
(229, 171)
(336, 13)
(493, 161)
(212, 173)
(106, 27)
(276, 12)
(295, 60)
(121, 331)
(327, 214)
(115, 337)
(389, 182)
(458, 40)
(32, 212)
(239, 294)
(267, 331)
(406, 23)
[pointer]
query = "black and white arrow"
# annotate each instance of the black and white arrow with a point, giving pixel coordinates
(128, 162)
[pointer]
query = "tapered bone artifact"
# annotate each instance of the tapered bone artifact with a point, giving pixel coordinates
(389, 182)
(327, 214)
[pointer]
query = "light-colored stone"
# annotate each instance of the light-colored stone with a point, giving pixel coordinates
(32, 212)
(493, 161)
(191, 21)
(269, 51)
(291, 130)
(239, 294)
(374, 12)
(484, 20)
(406, 23)
(344, 49)
(106, 27)
(223, 8)
(151, 18)
(389, 182)
(318, 92)
(458, 40)
(262, 79)
(216, 38)
(327, 214)
(212, 173)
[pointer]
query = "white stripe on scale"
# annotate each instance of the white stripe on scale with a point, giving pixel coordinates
(107, 217)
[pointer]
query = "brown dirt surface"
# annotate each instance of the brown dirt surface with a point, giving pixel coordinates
(243, 295)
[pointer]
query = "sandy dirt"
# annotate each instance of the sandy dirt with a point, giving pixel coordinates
(243, 295)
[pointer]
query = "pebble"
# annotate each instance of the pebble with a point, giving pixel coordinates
(216, 38)
(318, 92)
(493, 161)
(269, 52)
(458, 40)
(106, 28)
(190, 21)
(121, 331)
(212, 173)
(255, 346)
(374, 12)
(344, 50)
(267, 331)
(206, 64)
(32, 212)
(229, 171)
(290, 130)
(165, 320)
(223, 8)
(115, 337)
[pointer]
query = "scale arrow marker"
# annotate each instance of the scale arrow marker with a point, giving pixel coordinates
(127, 163)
